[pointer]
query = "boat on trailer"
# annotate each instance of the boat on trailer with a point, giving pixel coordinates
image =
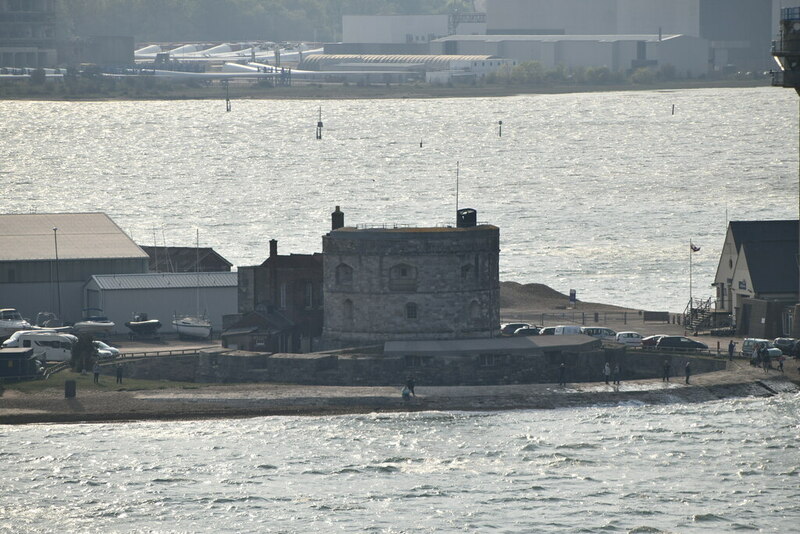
(193, 327)
(142, 326)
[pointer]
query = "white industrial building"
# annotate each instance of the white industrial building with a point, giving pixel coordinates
(739, 31)
(47, 258)
(162, 296)
(689, 55)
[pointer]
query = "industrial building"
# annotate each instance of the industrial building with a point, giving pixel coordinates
(28, 31)
(620, 53)
(739, 31)
(47, 258)
(162, 296)
(409, 29)
(403, 283)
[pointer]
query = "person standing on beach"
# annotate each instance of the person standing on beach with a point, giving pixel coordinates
(410, 385)
(665, 375)
(562, 371)
(607, 372)
(731, 348)
(96, 371)
(119, 374)
(616, 374)
(688, 370)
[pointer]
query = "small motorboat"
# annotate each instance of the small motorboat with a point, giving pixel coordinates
(96, 324)
(194, 327)
(142, 326)
(11, 321)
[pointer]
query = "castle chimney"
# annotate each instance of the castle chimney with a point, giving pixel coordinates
(273, 248)
(337, 219)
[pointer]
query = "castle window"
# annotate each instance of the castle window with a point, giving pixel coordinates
(344, 274)
(309, 296)
(465, 271)
(347, 311)
(411, 310)
(474, 311)
(403, 277)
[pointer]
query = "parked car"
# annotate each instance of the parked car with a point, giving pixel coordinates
(526, 331)
(105, 351)
(567, 330)
(651, 341)
(508, 329)
(599, 332)
(786, 344)
(547, 331)
(749, 345)
(680, 343)
(631, 339)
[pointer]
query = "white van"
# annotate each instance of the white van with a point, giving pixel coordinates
(48, 346)
(13, 340)
(567, 330)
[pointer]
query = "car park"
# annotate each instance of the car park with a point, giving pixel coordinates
(680, 343)
(631, 339)
(508, 329)
(599, 332)
(526, 331)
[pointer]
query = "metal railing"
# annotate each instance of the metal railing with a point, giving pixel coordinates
(599, 318)
(154, 353)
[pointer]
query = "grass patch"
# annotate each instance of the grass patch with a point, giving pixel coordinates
(86, 383)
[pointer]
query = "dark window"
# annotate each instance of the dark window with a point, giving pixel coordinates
(344, 274)
(411, 310)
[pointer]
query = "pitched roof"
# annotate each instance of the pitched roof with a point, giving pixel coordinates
(30, 237)
(165, 280)
(184, 259)
(772, 265)
(762, 231)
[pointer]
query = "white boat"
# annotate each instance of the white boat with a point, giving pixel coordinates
(98, 325)
(11, 321)
(195, 327)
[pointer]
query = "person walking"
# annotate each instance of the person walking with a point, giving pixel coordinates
(119, 374)
(731, 348)
(96, 371)
(780, 362)
(607, 372)
(688, 370)
(616, 374)
(665, 375)
(562, 371)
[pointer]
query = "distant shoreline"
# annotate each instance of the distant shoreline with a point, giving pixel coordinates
(373, 92)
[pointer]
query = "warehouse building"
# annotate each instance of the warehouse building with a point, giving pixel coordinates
(47, 258)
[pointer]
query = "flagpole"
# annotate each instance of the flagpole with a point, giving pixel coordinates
(691, 300)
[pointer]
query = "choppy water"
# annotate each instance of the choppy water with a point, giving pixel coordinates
(724, 466)
(600, 192)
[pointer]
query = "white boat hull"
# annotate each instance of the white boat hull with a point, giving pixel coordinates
(192, 327)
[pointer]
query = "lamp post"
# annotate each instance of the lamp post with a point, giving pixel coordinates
(58, 280)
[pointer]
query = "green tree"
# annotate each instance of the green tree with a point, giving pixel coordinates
(643, 76)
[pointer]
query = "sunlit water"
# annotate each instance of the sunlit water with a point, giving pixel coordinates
(723, 466)
(600, 192)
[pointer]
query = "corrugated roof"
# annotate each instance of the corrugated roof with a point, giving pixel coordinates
(27, 237)
(439, 61)
(772, 265)
(165, 280)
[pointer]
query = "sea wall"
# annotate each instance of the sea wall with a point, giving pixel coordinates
(341, 369)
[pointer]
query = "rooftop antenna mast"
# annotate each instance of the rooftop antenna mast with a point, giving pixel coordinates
(457, 166)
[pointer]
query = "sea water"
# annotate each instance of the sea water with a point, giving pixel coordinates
(723, 466)
(598, 192)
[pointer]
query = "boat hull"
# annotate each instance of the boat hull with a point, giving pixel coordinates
(192, 327)
(144, 328)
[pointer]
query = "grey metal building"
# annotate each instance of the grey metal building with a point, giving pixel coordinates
(163, 295)
(47, 258)
(404, 283)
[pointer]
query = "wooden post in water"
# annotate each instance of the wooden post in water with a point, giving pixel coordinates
(500, 129)
(319, 124)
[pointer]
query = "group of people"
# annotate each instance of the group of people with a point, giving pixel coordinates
(612, 375)
(761, 358)
(96, 372)
(667, 371)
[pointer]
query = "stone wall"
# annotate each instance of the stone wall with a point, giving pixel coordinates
(435, 283)
(339, 369)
